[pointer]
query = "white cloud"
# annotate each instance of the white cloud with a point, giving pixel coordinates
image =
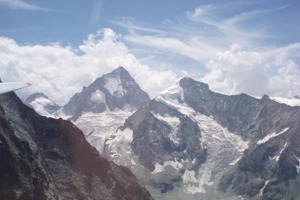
(199, 11)
(193, 48)
(60, 71)
(270, 72)
(18, 4)
(230, 22)
(206, 30)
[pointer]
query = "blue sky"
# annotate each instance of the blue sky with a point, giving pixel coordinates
(235, 46)
(52, 21)
(70, 21)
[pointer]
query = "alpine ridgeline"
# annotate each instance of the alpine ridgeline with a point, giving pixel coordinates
(190, 142)
(43, 158)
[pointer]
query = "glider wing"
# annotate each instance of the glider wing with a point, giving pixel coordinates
(12, 86)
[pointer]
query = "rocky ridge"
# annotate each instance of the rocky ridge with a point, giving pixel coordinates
(45, 158)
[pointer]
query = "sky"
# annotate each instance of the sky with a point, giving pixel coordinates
(236, 46)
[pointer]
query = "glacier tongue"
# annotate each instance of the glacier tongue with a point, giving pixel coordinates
(223, 147)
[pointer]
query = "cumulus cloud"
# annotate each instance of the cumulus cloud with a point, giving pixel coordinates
(61, 71)
(270, 72)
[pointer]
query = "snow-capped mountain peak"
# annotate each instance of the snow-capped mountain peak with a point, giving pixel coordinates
(99, 109)
(173, 93)
(42, 104)
(115, 80)
(114, 90)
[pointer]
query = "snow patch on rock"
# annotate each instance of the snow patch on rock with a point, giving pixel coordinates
(263, 188)
(114, 87)
(98, 97)
(174, 94)
(270, 136)
(173, 122)
(298, 166)
(289, 102)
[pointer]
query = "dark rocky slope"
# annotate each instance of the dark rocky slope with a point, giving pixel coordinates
(44, 158)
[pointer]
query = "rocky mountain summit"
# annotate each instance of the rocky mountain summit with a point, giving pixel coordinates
(113, 91)
(99, 109)
(45, 158)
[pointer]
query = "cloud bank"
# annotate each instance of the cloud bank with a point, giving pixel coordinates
(60, 71)
(271, 72)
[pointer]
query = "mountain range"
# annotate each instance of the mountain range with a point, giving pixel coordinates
(46, 158)
(190, 142)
